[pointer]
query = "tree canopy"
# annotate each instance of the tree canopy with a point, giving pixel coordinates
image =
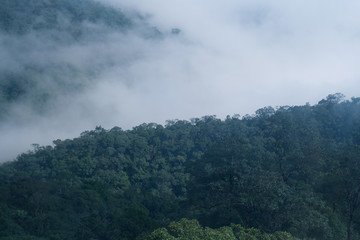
(291, 169)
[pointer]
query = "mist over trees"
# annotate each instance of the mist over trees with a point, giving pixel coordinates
(42, 43)
(291, 169)
(289, 172)
(53, 53)
(67, 66)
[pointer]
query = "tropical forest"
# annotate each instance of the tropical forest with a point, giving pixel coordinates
(282, 173)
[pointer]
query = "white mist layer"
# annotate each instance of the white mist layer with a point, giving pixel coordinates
(229, 58)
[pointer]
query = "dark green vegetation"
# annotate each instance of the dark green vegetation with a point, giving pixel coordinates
(21, 17)
(294, 169)
(50, 49)
(191, 229)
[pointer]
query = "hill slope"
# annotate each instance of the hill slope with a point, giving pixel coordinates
(53, 50)
(293, 169)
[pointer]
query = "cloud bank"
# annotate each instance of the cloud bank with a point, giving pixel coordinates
(230, 58)
(236, 57)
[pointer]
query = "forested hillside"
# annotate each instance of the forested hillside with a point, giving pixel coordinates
(291, 169)
(52, 50)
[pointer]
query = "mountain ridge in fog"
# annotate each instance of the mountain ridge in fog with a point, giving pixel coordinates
(54, 55)
(66, 66)
(41, 38)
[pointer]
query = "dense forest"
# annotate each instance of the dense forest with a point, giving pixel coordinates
(287, 173)
(290, 170)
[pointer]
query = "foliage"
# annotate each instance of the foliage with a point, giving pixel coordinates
(191, 230)
(294, 169)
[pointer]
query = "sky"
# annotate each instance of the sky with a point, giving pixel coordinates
(238, 56)
(231, 57)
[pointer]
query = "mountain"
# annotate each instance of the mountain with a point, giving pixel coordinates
(294, 169)
(53, 50)
(21, 17)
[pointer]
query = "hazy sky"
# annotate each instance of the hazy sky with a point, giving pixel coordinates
(231, 57)
(238, 56)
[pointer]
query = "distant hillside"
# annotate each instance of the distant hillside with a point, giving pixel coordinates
(293, 169)
(50, 48)
(21, 17)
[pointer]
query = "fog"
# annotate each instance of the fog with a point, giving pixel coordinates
(229, 58)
